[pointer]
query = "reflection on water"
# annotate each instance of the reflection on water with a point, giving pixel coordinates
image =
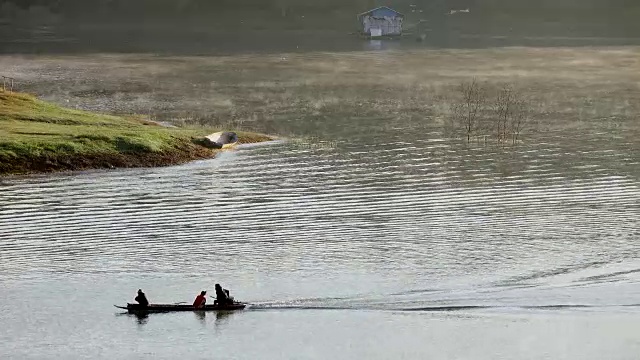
(220, 317)
(142, 318)
(201, 316)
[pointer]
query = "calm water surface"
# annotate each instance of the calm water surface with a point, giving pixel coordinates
(388, 241)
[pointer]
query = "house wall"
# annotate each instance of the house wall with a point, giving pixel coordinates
(390, 25)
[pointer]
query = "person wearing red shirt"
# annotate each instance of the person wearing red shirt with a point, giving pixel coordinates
(200, 300)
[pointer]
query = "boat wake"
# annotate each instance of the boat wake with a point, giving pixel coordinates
(444, 308)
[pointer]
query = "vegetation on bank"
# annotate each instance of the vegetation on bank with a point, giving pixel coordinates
(37, 136)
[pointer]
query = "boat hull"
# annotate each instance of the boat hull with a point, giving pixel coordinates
(158, 308)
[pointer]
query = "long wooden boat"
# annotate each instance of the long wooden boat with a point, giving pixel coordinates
(157, 308)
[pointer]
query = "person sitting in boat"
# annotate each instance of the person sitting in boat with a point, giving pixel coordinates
(222, 296)
(142, 298)
(200, 300)
(229, 297)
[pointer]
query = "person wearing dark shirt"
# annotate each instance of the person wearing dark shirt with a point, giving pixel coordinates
(142, 298)
(221, 296)
(200, 300)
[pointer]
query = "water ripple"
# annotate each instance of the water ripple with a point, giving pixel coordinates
(423, 209)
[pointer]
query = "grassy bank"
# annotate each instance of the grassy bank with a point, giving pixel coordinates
(37, 136)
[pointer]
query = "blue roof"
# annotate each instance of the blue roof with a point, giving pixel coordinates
(382, 11)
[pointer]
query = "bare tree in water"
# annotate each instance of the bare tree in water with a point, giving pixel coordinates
(511, 114)
(520, 117)
(468, 111)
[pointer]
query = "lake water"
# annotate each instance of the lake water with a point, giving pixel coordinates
(377, 238)
(378, 244)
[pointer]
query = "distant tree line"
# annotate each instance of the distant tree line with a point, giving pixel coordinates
(586, 17)
(283, 7)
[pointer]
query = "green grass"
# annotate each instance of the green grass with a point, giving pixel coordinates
(31, 129)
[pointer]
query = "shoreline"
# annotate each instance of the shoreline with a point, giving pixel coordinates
(52, 163)
(40, 137)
